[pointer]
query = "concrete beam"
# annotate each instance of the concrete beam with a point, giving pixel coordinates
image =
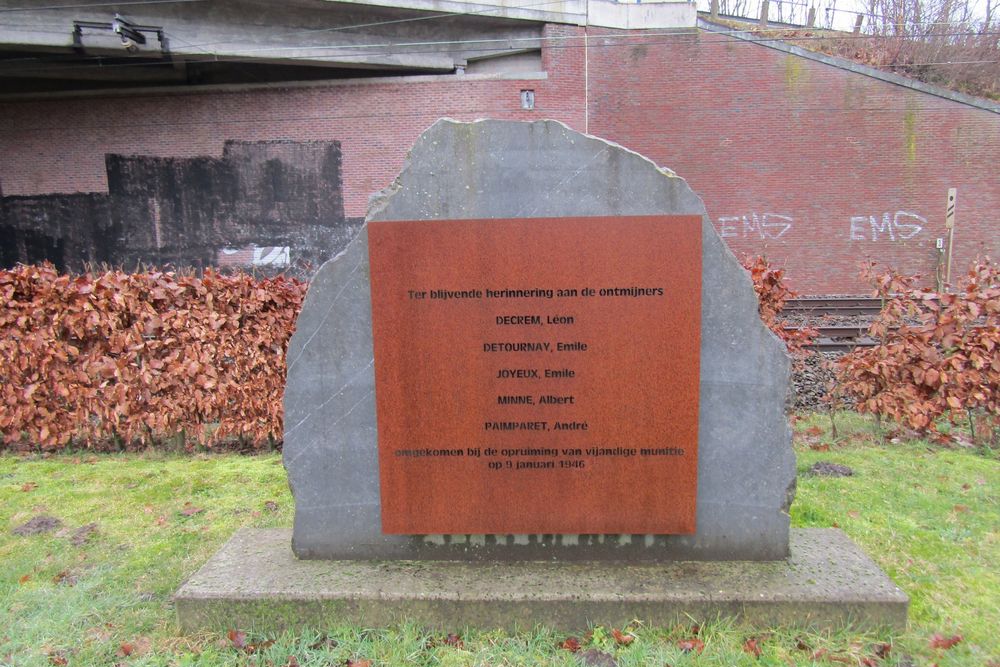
(69, 71)
(419, 36)
(313, 30)
(625, 15)
(316, 33)
(641, 16)
(544, 11)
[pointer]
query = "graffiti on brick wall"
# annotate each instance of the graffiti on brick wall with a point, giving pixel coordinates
(252, 255)
(898, 226)
(763, 226)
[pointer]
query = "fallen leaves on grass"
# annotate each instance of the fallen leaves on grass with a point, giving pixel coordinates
(56, 656)
(292, 661)
(752, 646)
(571, 644)
(191, 510)
(25, 578)
(65, 577)
(360, 662)
(138, 646)
(942, 642)
(692, 644)
(238, 639)
(622, 638)
(882, 650)
(271, 506)
(450, 640)
(29, 486)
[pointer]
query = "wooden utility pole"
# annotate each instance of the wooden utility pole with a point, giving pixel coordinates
(763, 13)
(715, 9)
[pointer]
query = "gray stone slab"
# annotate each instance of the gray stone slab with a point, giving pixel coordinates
(255, 582)
(501, 169)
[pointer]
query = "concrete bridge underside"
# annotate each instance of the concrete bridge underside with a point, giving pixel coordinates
(200, 42)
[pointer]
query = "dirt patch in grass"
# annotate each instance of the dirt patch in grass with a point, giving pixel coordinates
(37, 525)
(83, 534)
(827, 469)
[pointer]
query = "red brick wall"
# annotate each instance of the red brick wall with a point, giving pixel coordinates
(59, 146)
(784, 150)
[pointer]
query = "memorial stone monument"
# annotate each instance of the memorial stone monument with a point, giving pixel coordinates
(536, 350)
(589, 202)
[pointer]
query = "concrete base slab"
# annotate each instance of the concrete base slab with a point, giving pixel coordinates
(255, 582)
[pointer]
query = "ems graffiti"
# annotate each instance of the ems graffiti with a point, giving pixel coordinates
(764, 226)
(898, 226)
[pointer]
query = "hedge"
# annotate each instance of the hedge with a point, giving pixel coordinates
(126, 358)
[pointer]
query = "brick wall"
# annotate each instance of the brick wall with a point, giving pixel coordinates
(816, 167)
(812, 165)
(59, 146)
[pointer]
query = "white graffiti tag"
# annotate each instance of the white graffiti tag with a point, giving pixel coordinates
(254, 255)
(766, 226)
(902, 226)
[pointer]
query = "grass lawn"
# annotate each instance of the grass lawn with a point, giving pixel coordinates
(95, 589)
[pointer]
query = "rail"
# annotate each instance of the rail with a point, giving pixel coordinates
(835, 337)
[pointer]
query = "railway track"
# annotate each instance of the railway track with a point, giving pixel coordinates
(814, 307)
(835, 337)
(840, 339)
(842, 344)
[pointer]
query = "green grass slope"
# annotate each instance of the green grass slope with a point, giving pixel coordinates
(96, 589)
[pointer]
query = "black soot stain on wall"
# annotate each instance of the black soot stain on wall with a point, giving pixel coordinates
(270, 205)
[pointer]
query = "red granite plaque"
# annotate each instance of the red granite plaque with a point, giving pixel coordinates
(537, 375)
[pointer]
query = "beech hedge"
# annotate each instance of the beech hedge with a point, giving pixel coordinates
(127, 359)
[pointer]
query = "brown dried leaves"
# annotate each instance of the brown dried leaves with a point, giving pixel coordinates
(126, 357)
